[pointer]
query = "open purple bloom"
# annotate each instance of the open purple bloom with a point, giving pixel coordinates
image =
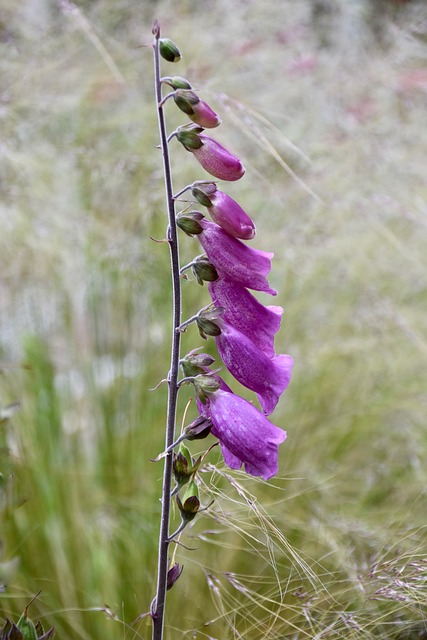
(268, 377)
(229, 215)
(235, 260)
(246, 436)
(217, 161)
(243, 312)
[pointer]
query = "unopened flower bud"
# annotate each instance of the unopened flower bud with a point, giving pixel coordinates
(173, 575)
(200, 359)
(204, 270)
(204, 115)
(190, 503)
(177, 82)
(188, 222)
(194, 363)
(215, 159)
(229, 215)
(182, 465)
(169, 50)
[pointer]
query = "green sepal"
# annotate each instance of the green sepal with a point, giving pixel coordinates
(204, 270)
(189, 139)
(185, 100)
(182, 465)
(194, 363)
(27, 627)
(208, 384)
(189, 222)
(190, 503)
(10, 631)
(201, 193)
(207, 327)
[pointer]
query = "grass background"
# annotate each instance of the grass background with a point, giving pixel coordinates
(325, 103)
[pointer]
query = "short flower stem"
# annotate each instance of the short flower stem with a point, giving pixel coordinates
(185, 324)
(171, 136)
(166, 98)
(182, 327)
(186, 267)
(178, 531)
(185, 380)
(187, 188)
(158, 607)
(189, 265)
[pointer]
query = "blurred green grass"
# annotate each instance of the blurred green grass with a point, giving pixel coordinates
(328, 115)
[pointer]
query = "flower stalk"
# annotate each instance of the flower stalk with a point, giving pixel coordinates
(158, 604)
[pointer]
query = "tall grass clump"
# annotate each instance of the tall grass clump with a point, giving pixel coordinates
(329, 119)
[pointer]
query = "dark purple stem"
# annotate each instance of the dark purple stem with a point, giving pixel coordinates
(158, 605)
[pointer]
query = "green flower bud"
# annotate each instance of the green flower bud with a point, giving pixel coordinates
(195, 363)
(190, 503)
(182, 465)
(190, 370)
(177, 82)
(208, 384)
(188, 222)
(203, 359)
(192, 491)
(169, 50)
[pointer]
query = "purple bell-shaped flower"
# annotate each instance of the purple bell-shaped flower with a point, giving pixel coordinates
(245, 313)
(267, 377)
(235, 260)
(246, 436)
